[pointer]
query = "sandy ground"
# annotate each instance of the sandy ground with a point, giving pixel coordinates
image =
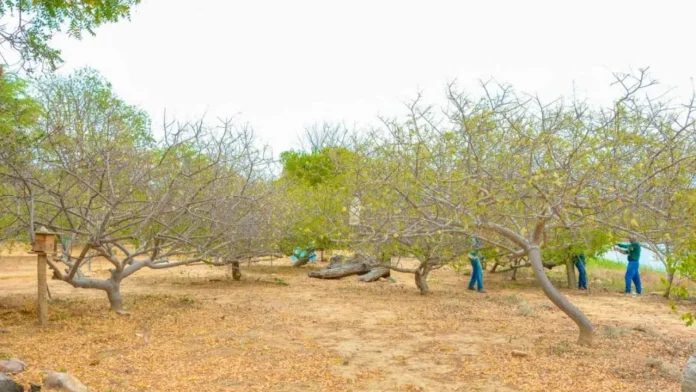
(195, 329)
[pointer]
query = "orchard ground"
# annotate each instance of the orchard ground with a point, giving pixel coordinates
(194, 328)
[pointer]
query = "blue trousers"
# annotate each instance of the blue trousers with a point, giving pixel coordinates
(633, 275)
(582, 279)
(476, 275)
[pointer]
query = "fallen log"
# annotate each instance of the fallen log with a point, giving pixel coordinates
(341, 271)
(358, 264)
(375, 274)
(336, 260)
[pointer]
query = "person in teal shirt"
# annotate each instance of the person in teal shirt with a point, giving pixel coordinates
(579, 261)
(306, 254)
(476, 269)
(632, 249)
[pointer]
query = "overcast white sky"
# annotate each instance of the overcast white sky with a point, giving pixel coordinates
(284, 65)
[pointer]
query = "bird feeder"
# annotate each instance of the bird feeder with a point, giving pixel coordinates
(44, 241)
(354, 213)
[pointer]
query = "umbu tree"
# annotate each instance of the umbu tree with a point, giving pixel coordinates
(393, 233)
(312, 184)
(303, 180)
(432, 251)
(249, 237)
(244, 216)
(510, 168)
(99, 179)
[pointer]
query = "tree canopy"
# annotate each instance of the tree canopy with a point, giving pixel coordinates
(27, 26)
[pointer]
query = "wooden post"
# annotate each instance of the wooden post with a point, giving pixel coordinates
(44, 242)
(43, 287)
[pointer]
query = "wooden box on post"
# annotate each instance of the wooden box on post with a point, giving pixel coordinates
(44, 241)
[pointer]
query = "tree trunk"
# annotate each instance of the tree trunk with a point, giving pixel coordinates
(375, 274)
(670, 281)
(586, 328)
(236, 271)
(514, 270)
(321, 255)
(422, 280)
(115, 299)
(42, 290)
(570, 274)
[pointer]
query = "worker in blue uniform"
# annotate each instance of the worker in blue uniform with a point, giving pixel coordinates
(632, 250)
(579, 261)
(476, 268)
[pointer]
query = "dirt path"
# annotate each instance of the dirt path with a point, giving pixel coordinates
(277, 330)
